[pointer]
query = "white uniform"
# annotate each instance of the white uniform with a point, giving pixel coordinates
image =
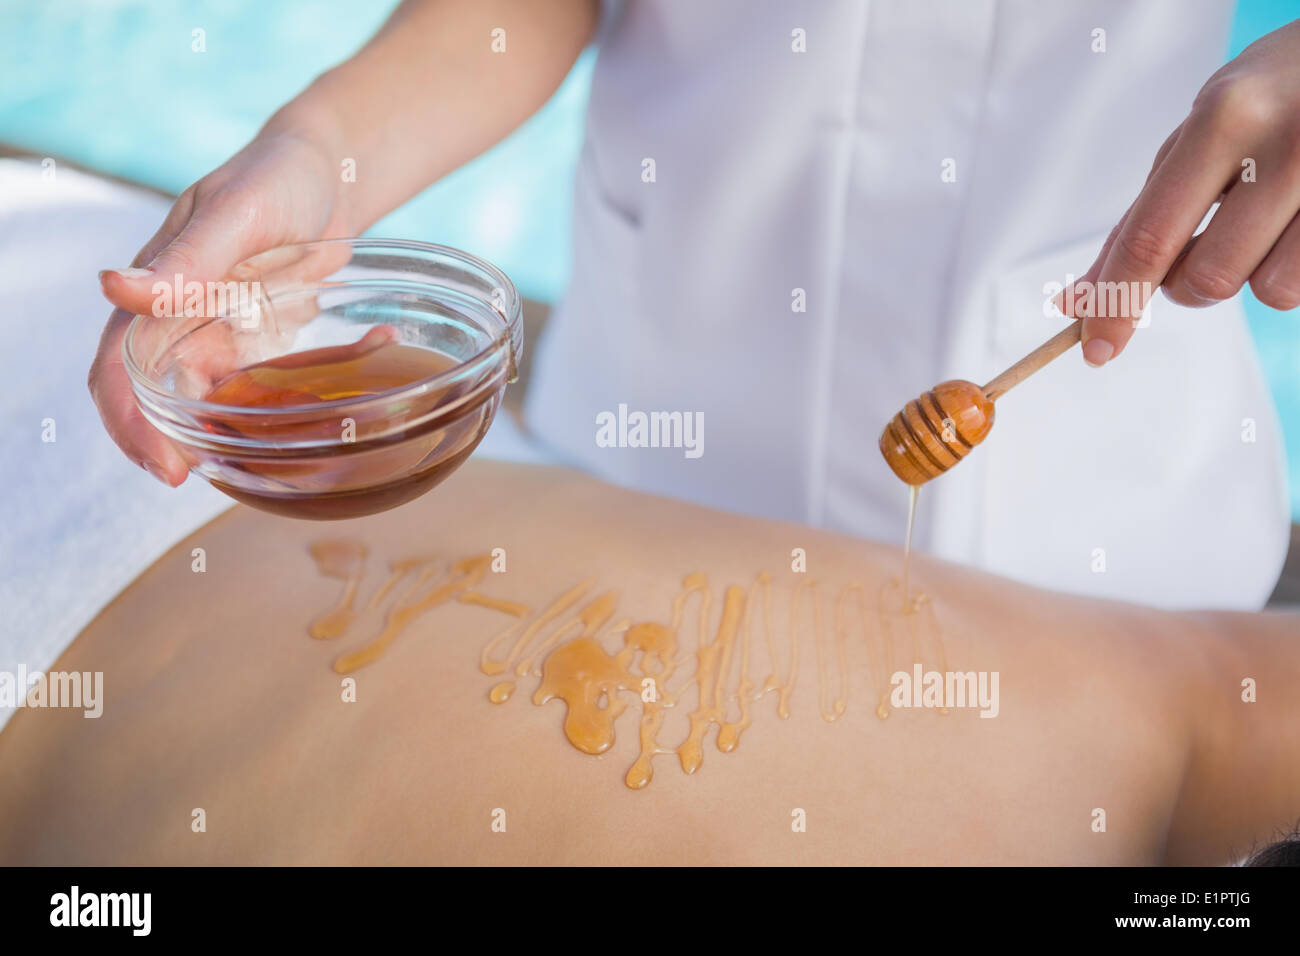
(724, 171)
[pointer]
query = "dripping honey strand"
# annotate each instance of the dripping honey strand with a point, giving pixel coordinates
(346, 561)
(490, 666)
(708, 679)
(466, 574)
(591, 680)
(729, 733)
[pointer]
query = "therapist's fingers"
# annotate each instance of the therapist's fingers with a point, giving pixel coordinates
(1238, 238)
(110, 387)
(1077, 302)
(1162, 221)
(201, 239)
(111, 390)
(176, 219)
(1276, 281)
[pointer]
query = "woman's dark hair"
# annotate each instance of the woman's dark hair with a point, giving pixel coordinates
(1285, 852)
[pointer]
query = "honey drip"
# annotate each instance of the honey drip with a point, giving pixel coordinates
(712, 663)
(773, 682)
(345, 560)
(831, 708)
(494, 666)
(729, 733)
(591, 619)
(588, 679)
(465, 574)
(495, 604)
(658, 645)
(913, 493)
(398, 570)
(917, 618)
(564, 644)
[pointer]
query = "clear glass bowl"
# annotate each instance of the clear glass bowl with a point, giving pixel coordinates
(310, 444)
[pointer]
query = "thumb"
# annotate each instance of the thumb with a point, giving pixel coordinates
(213, 240)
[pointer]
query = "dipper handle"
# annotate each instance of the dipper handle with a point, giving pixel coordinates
(1058, 344)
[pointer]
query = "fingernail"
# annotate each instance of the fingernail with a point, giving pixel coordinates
(156, 472)
(132, 273)
(1097, 352)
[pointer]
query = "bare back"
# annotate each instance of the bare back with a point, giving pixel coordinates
(522, 666)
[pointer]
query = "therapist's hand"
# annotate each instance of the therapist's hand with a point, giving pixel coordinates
(426, 94)
(1240, 146)
(283, 187)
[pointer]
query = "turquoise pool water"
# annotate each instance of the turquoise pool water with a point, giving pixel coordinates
(1276, 334)
(76, 74)
(75, 77)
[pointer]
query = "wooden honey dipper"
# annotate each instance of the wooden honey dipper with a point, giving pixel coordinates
(934, 432)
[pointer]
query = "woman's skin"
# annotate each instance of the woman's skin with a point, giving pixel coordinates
(427, 93)
(216, 697)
